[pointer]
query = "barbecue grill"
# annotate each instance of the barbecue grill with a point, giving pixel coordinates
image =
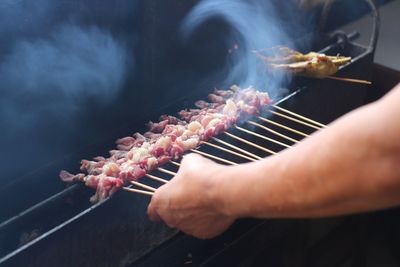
(65, 229)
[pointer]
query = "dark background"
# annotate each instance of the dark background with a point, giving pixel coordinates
(78, 73)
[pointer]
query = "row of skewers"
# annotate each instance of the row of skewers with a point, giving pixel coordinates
(137, 155)
(237, 150)
(167, 140)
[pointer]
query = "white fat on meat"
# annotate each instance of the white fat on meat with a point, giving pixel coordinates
(206, 119)
(214, 123)
(152, 163)
(189, 143)
(230, 108)
(195, 127)
(139, 154)
(241, 104)
(111, 169)
(187, 134)
(164, 142)
(146, 145)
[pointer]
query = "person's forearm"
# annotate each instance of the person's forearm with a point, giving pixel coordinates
(352, 166)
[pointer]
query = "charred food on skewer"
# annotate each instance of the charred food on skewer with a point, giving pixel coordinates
(313, 64)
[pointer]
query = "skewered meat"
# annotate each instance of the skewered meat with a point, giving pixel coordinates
(313, 64)
(168, 139)
(157, 127)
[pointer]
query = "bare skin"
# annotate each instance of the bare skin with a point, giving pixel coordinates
(352, 166)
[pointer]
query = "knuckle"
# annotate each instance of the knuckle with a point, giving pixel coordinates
(190, 158)
(155, 200)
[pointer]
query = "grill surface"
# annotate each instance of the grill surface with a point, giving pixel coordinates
(121, 222)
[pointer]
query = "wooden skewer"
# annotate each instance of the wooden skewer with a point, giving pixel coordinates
(237, 148)
(166, 171)
(213, 157)
(138, 191)
(300, 116)
(272, 131)
(340, 61)
(156, 178)
(175, 163)
(295, 120)
(349, 80)
(228, 151)
(283, 126)
(143, 186)
(250, 143)
(261, 136)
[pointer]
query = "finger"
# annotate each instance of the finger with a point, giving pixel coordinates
(152, 212)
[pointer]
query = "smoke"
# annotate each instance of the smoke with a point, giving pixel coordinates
(53, 70)
(68, 67)
(255, 26)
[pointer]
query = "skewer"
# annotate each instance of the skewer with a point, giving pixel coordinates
(175, 163)
(214, 157)
(138, 191)
(157, 178)
(228, 151)
(349, 80)
(261, 136)
(143, 186)
(295, 120)
(237, 148)
(340, 61)
(250, 143)
(272, 131)
(166, 171)
(283, 126)
(300, 116)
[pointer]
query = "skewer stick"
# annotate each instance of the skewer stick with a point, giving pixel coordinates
(143, 186)
(283, 126)
(228, 151)
(340, 61)
(138, 191)
(300, 116)
(237, 148)
(272, 131)
(213, 157)
(175, 163)
(261, 136)
(166, 171)
(349, 80)
(156, 178)
(250, 143)
(295, 120)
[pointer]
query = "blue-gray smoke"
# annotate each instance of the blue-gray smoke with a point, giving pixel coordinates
(55, 68)
(255, 26)
(71, 65)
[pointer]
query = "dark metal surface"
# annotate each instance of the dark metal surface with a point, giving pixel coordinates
(121, 223)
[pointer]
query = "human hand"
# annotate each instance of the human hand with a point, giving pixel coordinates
(187, 202)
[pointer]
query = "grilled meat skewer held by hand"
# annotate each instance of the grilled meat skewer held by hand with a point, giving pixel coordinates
(347, 168)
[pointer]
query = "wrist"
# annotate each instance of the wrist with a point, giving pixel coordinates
(239, 191)
(228, 195)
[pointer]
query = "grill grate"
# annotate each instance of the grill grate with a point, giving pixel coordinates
(220, 153)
